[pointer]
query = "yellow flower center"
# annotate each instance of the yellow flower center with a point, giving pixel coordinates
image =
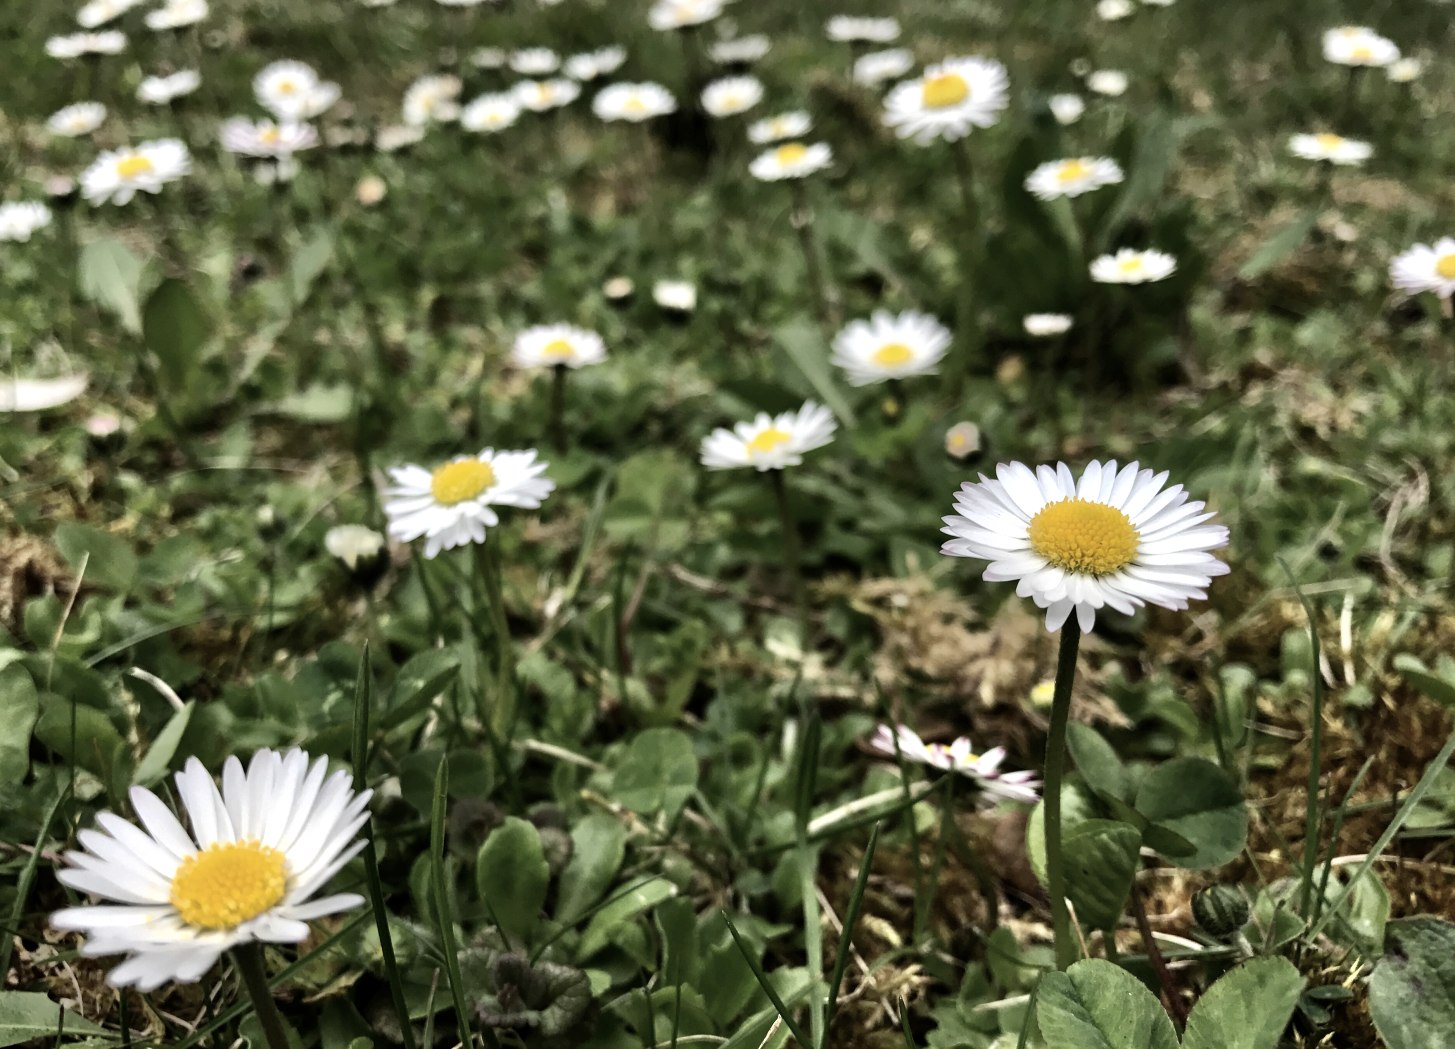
(892, 355)
(1362, 53)
(133, 165)
(1130, 265)
(286, 87)
(1329, 141)
(1073, 171)
(792, 153)
(228, 883)
(270, 135)
(635, 104)
(947, 89)
(1077, 535)
(558, 350)
(460, 481)
(766, 441)
(1445, 266)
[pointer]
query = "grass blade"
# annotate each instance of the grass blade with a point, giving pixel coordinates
(27, 879)
(851, 918)
(762, 978)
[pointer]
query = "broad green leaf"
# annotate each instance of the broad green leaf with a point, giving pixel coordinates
(512, 876)
(625, 907)
(1198, 800)
(19, 707)
(97, 741)
(1152, 157)
(598, 846)
(1419, 675)
(1097, 762)
(175, 328)
(32, 1018)
(159, 756)
(1098, 1005)
(1077, 806)
(804, 344)
(1247, 1008)
(1412, 989)
(309, 262)
(111, 564)
(1364, 912)
(110, 277)
(1101, 860)
(657, 773)
(1279, 246)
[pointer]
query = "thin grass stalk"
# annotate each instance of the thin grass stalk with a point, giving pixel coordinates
(851, 918)
(773, 996)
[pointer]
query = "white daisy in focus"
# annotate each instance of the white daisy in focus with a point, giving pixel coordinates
(110, 42)
(592, 64)
(118, 175)
(1335, 149)
(293, 91)
(902, 742)
(791, 160)
(19, 219)
(949, 101)
(177, 14)
(161, 90)
(535, 61)
(666, 15)
(1426, 268)
(877, 67)
(557, 346)
(1066, 108)
(740, 51)
(676, 296)
(453, 504)
(1405, 71)
(541, 95)
(1109, 82)
(890, 346)
(793, 124)
(732, 95)
(769, 442)
(1130, 266)
(1046, 325)
(1116, 538)
(490, 113)
(847, 29)
(243, 870)
(432, 100)
(1072, 177)
(1353, 45)
(76, 120)
(633, 102)
(1115, 10)
(38, 395)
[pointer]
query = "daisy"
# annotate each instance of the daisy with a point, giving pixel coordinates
(118, 175)
(1426, 268)
(490, 113)
(1072, 177)
(949, 100)
(959, 756)
(679, 14)
(464, 3)
(255, 854)
(393, 137)
(264, 138)
(99, 12)
(879, 66)
(541, 95)
(592, 64)
(1405, 71)
(791, 160)
(769, 442)
(962, 440)
(160, 90)
(1116, 538)
(293, 91)
(431, 100)
(453, 504)
(355, 545)
(111, 42)
(535, 61)
(1336, 149)
(557, 345)
(1067, 109)
(1115, 10)
(732, 95)
(1108, 82)
(489, 57)
(741, 50)
(19, 219)
(177, 14)
(76, 120)
(849, 29)
(1358, 46)
(37, 395)
(1129, 266)
(633, 102)
(890, 346)
(1045, 325)
(793, 124)
(676, 296)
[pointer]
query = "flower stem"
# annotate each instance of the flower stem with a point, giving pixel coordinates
(970, 245)
(801, 219)
(487, 565)
(558, 408)
(248, 958)
(791, 561)
(1055, 773)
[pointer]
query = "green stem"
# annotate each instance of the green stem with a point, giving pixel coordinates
(801, 219)
(791, 561)
(558, 408)
(488, 566)
(1055, 773)
(923, 908)
(248, 958)
(970, 244)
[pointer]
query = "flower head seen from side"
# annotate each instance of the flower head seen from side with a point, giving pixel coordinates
(1111, 83)
(633, 103)
(1130, 266)
(739, 50)
(890, 346)
(1352, 45)
(1405, 71)
(1116, 538)
(557, 346)
(118, 175)
(732, 95)
(1426, 267)
(161, 90)
(293, 91)
(176, 14)
(949, 101)
(1046, 325)
(791, 160)
(769, 442)
(245, 869)
(99, 12)
(432, 100)
(1072, 177)
(265, 138)
(591, 64)
(675, 296)
(74, 45)
(490, 113)
(878, 67)
(792, 124)
(539, 96)
(1115, 10)
(534, 61)
(1066, 108)
(903, 743)
(1335, 149)
(454, 503)
(20, 219)
(850, 29)
(76, 120)
(666, 15)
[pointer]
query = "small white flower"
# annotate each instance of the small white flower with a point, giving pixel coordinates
(1129, 266)
(593, 64)
(76, 120)
(118, 175)
(177, 14)
(1044, 325)
(1114, 10)
(557, 346)
(490, 113)
(890, 346)
(453, 504)
(665, 15)
(679, 296)
(791, 160)
(110, 42)
(949, 101)
(1108, 82)
(161, 90)
(1336, 149)
(1405, 71)
(850, 29)
(535, 61)
(1359, 46)
(740, 50)
(633, 102)
(432, 100)
(904, 743)
(265, 138)
(1426, 268)
(793, 124)
(1072, 177)
(353, 544)
(877, 67)
(732, 95)
(99, 12)
(19, 219)
(769, 442)
(541, 95)
(962, 440)
(394, 137)
(1067, 109)
(292, 91)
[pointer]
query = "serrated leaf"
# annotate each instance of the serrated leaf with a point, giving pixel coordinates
(1098, 1005)
(1247, 1008)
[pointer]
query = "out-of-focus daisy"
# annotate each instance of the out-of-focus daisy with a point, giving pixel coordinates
(890, 346)
(791, 160)
(21, 218)
(732, 95)
(676, 296)
(1072, 177)
(454, 503)
(432, 100)
(740, 50)
(19, 394)
(1115, 537)
(1066, 108)
(949, 101)
(633, 102)
(161, 90)
(490, 113)
(1045, 325)
(244, 869)
(371, 190)
(265, 138)
(1130, 266)
(1109, 82)
(793, 124)
(665, 15)
(1115, 10)
(118, 175)
(393, 137)
(1405, 71)
(1353, 45)
(76, 120)
(592, 64)
(541, 95)
(535, 61)
(959, 756)
(489, 57)
(1426, 268)
(619, 288)
(464, 3)
(293, 91)
(847, 29)
(877, 67)
(557, 346)
(769, 442)
(354, 545)
(177, 14)
(110, 42)
(962, 440)
(99, 12)
(1336, 149)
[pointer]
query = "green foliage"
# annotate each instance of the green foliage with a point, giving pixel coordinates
(1412, 990)
(1097, 1005)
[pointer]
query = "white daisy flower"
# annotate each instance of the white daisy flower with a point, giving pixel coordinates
(557, 345)
(1158, 3)
(732, 95)
(1045, 325)
(1116, 538)
(741, 50)
(161, 90)
(255, 855)
(19, 219)
(678, 296)
(593, 64)
(76, 120)
(962, 440)
(1066, 108)
(99, 12)
(890, 346)
(1336, 149)
(1353, 45)
(769, 442)
(791, 160)
(793, 124)
(264, 138)
(393, 137)
(665, 15)
(1405, 71)
(353, 544)
(541, 95)
(1109, 82)
(177, 14)
(293, 91)
(1115, 10)
(959, 756)
(535, 61)
(489, 57)
(490, 113)
(38, 395)
(110, 42)
(1072, 177)
(432, 100)
(877, 67)
(1130, 266)
(118, 175)
(1426, 268)
(850, 29)
(949, 101)
(633, 102)
(453, 504)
